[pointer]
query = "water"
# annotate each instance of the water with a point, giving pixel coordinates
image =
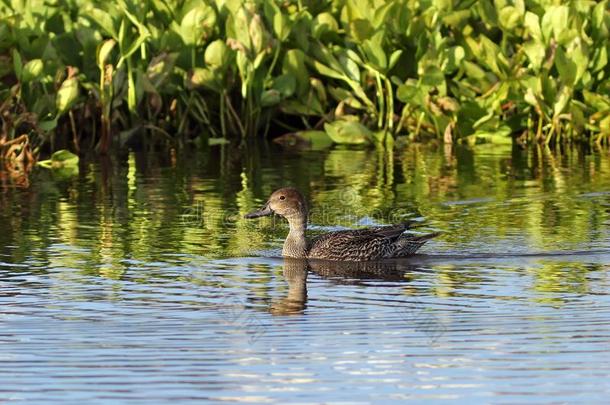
(138, 281)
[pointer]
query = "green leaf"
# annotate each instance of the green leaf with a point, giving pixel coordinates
(349, 66)
(238, 25)
(580, 58)
(133, 47)
(532, 23)
(457, 19)
(286, 84)
(554, 22)
(160, 68)
(394, 58)
(314, 140)
(360, 29)
(531, 98)
(454, 57)
(218, 141)
(61, 159)
(296, 107)
(548, 86)
(535, 52)
(217, 55)
(17, 63)
(198, 24)
(383, 13)
(326, 71)
(375, 54)
(600, 59)
(409, 93)
(489, 54)
(103, 52)
(281, 26)
(509, 18)
(318, 139)
(48, 125)
(433, 76)
(66, 95)
(104, 20)
(32, 70)
(270, 98)
(319, 89)
(294, 65)
(473, 70)
(201, 77)
(488, 12)
(563, 99)
(348, 132)
(600, 102)
(499, 136)
(565, 66)
(598, 21)
(323, 23)
(257, 34)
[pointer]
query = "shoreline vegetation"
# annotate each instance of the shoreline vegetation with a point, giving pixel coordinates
(92, 77)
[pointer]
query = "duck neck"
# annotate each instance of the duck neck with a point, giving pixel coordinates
(296, 244)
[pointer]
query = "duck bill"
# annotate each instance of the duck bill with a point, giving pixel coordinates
(263, 212)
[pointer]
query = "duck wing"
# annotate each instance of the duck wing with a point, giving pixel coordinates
(358, 244)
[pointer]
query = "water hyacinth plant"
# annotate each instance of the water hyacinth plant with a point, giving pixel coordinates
(87, 74)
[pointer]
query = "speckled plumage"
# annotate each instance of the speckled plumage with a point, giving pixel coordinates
(367, 244)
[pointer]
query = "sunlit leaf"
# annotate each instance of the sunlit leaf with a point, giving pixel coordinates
(217, 55)
(201, 77)
(66, 95)
(509, 18)
(562, 100)
(323, 23)
(394, 58)
(554, 21)
(197, 25)
(532, 23)
(104, 51)
(454, 56)
(32, 70)
(61, 159)
(535, 52)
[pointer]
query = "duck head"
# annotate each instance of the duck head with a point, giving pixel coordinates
(286, 202)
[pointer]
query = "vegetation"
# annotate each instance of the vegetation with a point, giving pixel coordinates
(84, 74)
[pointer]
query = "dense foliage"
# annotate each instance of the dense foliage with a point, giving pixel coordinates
(364, 70)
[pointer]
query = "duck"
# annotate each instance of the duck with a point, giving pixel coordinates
(367, 244)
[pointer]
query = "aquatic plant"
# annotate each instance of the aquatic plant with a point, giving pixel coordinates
(85, 73)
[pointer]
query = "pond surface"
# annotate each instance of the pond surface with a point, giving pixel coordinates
(138, 281)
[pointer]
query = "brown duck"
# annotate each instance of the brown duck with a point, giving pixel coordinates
(376, 243)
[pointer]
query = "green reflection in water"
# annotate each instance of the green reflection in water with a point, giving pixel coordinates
(144, 209)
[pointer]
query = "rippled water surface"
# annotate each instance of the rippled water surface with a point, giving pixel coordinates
(138, 280)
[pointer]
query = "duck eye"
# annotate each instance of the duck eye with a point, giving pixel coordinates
(282, 197)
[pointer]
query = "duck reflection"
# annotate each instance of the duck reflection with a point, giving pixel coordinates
(353, 272)
(296, 270)
(295, 273)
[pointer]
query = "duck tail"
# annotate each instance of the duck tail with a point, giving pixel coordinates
(409, 244)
